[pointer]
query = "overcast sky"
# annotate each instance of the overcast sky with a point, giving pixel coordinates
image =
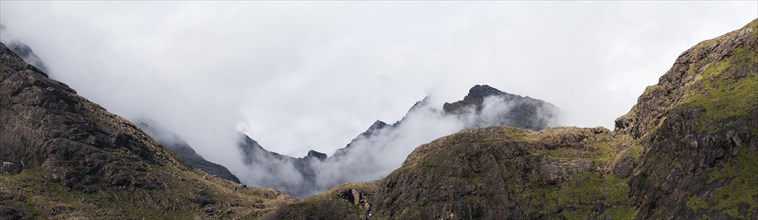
(312, 75)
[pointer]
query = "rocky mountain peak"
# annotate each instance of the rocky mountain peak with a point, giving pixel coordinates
(376, 126)
(475, 98)
(481, 91)
(316, 155)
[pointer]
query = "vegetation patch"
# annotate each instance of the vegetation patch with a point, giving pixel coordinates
(720, 94)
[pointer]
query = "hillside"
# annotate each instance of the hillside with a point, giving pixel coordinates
(184, 151)
(65, 157)
(687, 149)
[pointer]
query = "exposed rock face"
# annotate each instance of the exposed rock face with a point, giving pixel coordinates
(188, 155)
(79, 161)
(688, 150)
(315, 155)
(46, 124)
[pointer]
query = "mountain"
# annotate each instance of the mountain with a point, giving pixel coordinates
(28, 55)
(686, 150)
(364, 157)
(22, 50)
(518, 111)
(187, 155)
(522, 112)
(64, 157)
(295, 176)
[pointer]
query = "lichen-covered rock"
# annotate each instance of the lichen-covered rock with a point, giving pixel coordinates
(346, 201)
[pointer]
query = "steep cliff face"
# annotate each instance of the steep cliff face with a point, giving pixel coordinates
(700, 124)
(688, 149)
(65, 157)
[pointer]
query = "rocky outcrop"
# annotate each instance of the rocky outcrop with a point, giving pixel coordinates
(65, 157)
(521, 112)
(187, 155)
(346, 201)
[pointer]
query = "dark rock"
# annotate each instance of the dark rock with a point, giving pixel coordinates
(10, 168)
(7, 213)
(315, 155)
(203, 199)
(524, 112)
(623, 165)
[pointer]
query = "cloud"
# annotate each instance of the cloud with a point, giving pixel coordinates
(383, 148)
(311, 75)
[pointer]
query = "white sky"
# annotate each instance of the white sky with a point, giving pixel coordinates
(313, 75)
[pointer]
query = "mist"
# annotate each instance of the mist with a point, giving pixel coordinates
(383, 148)
(298, 76)
(375, 156)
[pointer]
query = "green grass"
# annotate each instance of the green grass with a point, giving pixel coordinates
(636, 151)
(741, 188)
(621, 213)
(581, 193)
(722, 96)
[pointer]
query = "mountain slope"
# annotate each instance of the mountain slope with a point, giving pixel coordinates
(687, 149)
(181, 148)
(65, 157)
(700, 124)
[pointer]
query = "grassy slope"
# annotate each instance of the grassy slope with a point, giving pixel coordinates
(188, 194)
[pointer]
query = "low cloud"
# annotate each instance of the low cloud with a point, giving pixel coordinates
(375, 155)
